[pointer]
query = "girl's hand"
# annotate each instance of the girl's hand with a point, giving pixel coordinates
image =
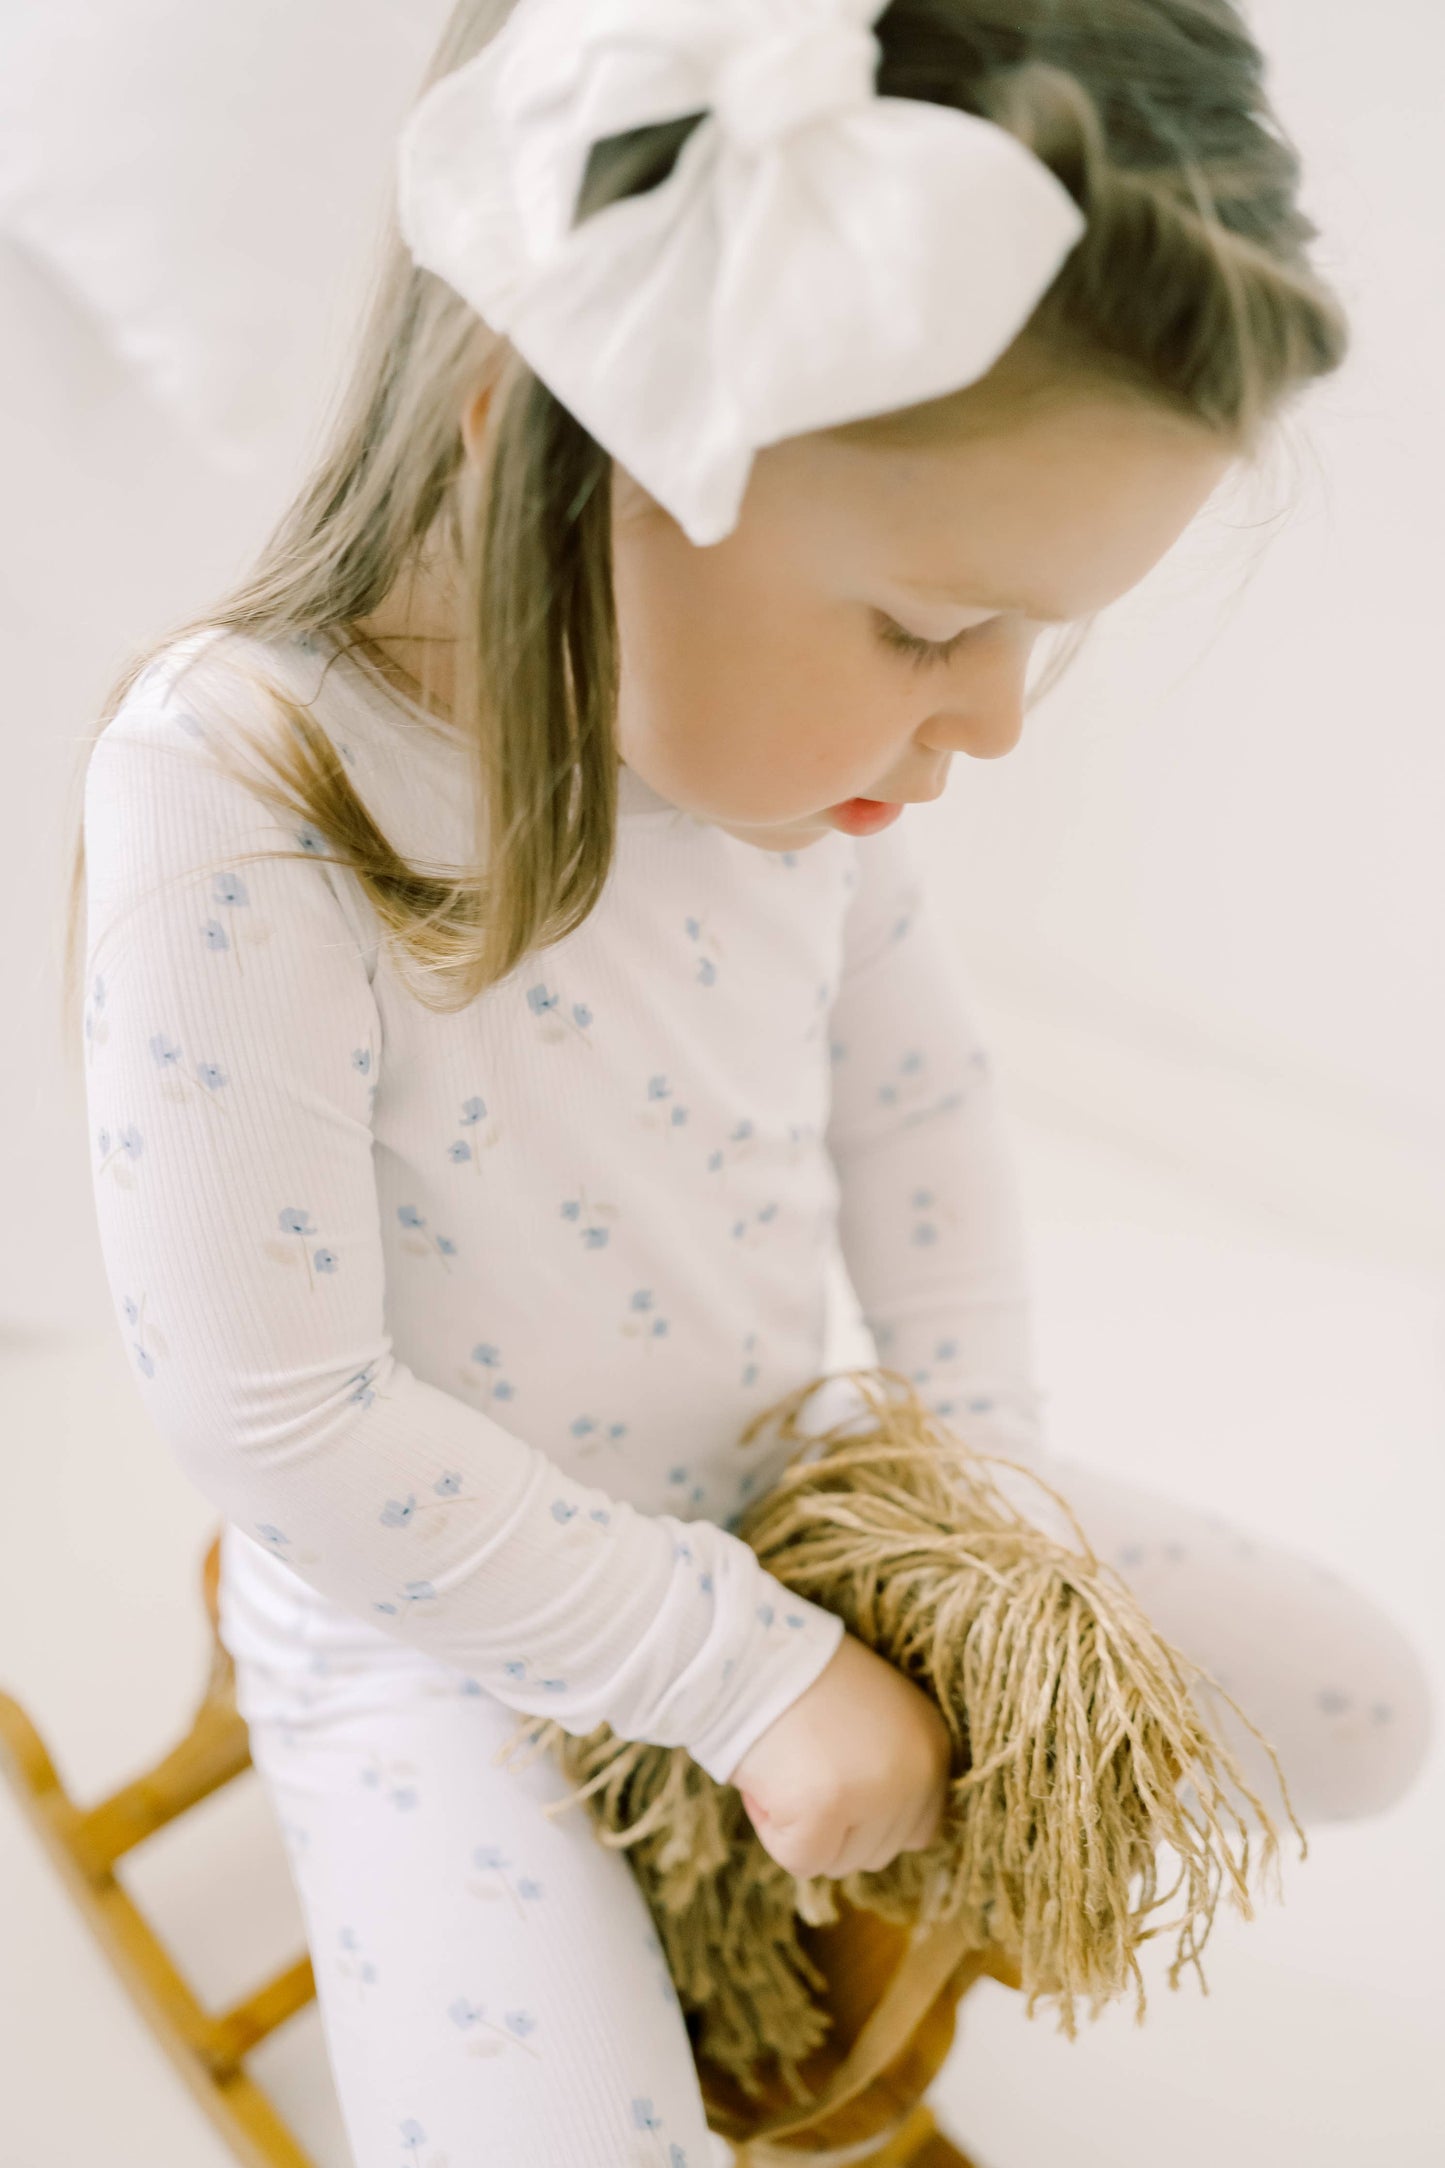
(853, 1773)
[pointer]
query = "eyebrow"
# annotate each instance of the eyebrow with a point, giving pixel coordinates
(980, 601)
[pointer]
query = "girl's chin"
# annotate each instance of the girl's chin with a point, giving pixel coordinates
(780, 835)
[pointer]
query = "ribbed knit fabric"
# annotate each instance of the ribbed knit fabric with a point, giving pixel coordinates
(460, 1316)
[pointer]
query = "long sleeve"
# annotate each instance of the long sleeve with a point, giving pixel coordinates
(232, 1047)
(930, 1218)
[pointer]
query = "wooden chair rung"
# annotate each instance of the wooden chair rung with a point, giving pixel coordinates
(214, 1750)
(205, 2047)
(250, 2021)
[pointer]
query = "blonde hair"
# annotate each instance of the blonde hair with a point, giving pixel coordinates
(1191, 288)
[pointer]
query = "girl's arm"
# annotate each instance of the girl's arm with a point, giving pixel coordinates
(930, 1219)
(232, 1041)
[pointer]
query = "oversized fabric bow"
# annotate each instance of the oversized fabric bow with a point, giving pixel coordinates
(817, 253)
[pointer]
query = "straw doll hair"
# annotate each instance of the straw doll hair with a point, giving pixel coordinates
(1073, 1726)
(1191, 288)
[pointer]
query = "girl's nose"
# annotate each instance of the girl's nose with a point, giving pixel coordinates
(987, 719)
(990, 726)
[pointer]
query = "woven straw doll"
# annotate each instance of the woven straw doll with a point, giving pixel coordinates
(1073, 1729)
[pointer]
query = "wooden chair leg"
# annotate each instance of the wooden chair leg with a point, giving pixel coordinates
(206, 2047)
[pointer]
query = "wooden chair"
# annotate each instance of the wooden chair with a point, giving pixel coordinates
(209, 2048)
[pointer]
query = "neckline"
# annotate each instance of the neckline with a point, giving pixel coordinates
(636, 799)
(390, 696)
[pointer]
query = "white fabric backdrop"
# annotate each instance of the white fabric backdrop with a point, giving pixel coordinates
(1204, 898)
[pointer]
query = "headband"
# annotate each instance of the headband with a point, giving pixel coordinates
(818, 253)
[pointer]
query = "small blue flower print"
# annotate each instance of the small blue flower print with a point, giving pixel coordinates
(745, 1230)
(114, 1151)
(588, 1219)
(462, 1151)
(415, 1592)
(512, 2032)
(411, 1219)
(97, 1030)
(557, 1022)
(362, 1970)
(396, 1515)
(642, 1303)
(362, 1387)
(135, 1317)
(228, 890)
(494, 1867)
(386, 1779)
(168, 1058)
(488, 1357)
(589, 1427)
(412, 2135)
(310, 838)
(295, 1221)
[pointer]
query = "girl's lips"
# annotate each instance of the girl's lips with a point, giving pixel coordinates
(864, 816)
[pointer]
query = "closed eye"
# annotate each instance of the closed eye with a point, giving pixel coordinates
(921, 652)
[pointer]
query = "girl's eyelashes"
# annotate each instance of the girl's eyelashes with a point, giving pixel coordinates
(922, 652)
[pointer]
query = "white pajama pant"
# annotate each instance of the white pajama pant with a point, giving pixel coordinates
(491, 1989)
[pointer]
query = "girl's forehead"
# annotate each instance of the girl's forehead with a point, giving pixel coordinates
(1050, 517)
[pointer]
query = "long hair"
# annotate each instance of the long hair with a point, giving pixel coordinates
(1191, 287)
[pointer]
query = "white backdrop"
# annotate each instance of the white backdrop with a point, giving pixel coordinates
(1202, 900)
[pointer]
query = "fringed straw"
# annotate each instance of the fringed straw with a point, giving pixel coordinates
(1072, 1723)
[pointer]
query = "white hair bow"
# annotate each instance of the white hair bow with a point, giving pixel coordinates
(817, 253)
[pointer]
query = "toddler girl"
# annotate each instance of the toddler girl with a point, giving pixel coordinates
(508, 987)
